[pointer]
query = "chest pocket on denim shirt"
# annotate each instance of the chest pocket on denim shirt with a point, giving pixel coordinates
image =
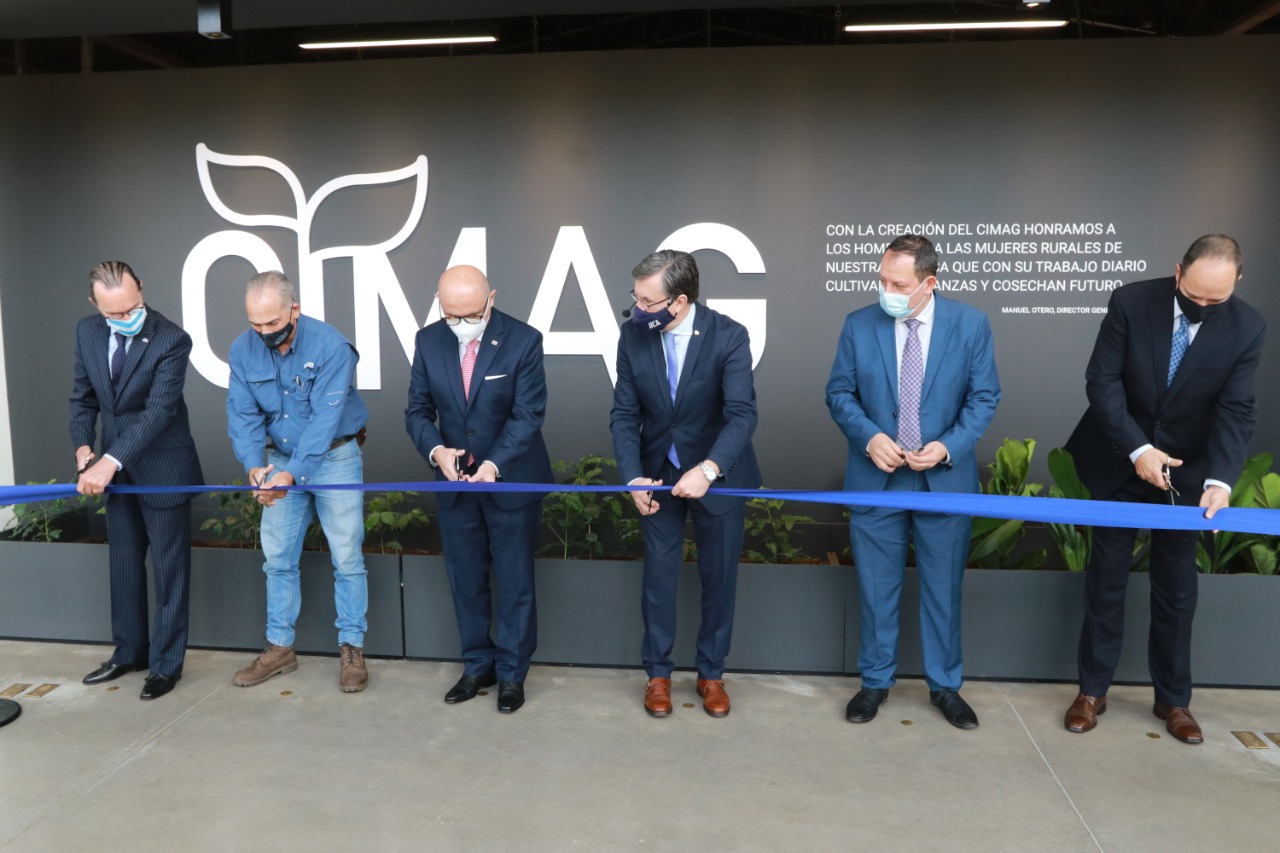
(302, 386)
(265, 391)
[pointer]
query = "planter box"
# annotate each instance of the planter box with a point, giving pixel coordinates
(788, 618)
(229, 602)
(55, 591)
(1017, 624)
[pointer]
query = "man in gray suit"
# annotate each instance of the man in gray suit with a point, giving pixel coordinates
(131, 365)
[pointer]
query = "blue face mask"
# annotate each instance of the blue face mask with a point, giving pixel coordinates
(129, 327)
(897, 305)
(653, 321)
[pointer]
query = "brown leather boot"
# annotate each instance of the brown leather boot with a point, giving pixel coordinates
(657, 697)
(352, 675)
(715, 701)
(273, 661)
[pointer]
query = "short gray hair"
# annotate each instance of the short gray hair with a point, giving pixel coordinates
(110, 274)
(274, 280)
(679, 272)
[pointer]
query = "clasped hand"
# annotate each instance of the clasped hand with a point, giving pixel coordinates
(95, 478)
(889, 457)
(267, 483)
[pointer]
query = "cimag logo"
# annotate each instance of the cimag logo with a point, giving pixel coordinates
(376, 285)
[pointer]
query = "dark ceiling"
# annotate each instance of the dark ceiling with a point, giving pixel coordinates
(71, 36)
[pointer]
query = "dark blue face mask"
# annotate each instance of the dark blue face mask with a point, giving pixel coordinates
(653, 321)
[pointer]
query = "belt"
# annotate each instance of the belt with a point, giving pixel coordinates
(358, 437)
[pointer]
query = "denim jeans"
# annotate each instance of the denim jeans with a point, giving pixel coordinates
(284, 525)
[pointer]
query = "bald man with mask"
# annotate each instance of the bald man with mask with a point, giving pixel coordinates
(477, 398)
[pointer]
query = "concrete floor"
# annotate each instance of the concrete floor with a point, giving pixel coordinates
(294, 764)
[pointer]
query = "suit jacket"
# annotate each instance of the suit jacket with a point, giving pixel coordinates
(957, 401)
(144, 417)
(1205, 418)
(502, 419)
(714, 413)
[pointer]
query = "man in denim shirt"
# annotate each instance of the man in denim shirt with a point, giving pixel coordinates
(296, 419)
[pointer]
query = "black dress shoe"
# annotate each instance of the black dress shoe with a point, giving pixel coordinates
(955, 709)
(864, 705)
(111, 671)
(157, 685)
(468, 686)
(510, 696)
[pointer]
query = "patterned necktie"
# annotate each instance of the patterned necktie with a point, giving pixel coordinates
(1181, 340)
(468, 366)
(673, 380)
(117, 358)
(910, 382)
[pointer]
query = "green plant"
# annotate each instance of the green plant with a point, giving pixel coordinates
(993, 540)
(241, 517)
(768, 531)
(1073, 541)
(575, 518)
(1215, 551)
(38, 521)
(387, 515)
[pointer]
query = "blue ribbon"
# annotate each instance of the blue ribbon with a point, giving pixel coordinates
(1049, 510)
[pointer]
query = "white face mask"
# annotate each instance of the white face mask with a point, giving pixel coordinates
(468, 332)
(897, 305)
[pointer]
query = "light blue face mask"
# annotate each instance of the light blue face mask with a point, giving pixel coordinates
(897, 305)
(132, 326)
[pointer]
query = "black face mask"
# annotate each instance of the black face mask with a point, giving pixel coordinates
(274, 340)
(1197, 313)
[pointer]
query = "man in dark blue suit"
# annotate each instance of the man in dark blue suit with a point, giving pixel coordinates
(1171, 412)
(131, 365)
(684, 410)
(913, 388)
(477, 398)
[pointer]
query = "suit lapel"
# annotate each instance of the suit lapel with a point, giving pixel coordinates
(653, 340)
(939, 337)
(1160, 321)
(98, 363)
(889, 351)
(490, 343)
(1203, 349)
(137, 348)
(701, 321)
(451, 360)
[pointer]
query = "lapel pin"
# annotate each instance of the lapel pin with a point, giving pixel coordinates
(146, 340)
(494, 343)
(696, 332)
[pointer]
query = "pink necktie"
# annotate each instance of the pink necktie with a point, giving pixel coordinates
(469, 365)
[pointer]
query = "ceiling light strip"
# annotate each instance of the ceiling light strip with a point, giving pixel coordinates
(965, 25)
(343, 45)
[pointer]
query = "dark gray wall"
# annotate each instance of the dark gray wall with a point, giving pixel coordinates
(1165, 139)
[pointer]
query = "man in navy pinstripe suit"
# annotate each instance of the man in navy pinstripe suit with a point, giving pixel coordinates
(131, 365)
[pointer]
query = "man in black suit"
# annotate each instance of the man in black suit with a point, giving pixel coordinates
(477, 399)
(684, 409)
(1171, 412)
(131, 364)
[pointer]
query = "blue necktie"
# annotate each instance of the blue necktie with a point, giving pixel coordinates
(673, 379)
(1181, 340)
(910, 383)
(117, 358)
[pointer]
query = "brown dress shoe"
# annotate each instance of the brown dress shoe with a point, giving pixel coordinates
(1082, 716)
(714, 700)
(1179, 722)
(352, 674)
(657, 697)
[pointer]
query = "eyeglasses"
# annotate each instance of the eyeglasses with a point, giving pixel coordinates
(122, 315)
(648, 306)
(470, 319)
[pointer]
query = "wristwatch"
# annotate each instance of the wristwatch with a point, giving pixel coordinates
(708, 472)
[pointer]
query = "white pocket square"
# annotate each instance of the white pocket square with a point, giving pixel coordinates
(496, 376)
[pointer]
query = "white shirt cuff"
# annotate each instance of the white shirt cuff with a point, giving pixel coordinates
(119, 467)
(1133, 457)
(431, 457)
(1218, 483)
